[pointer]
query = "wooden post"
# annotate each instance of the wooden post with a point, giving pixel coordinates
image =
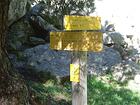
(79, 89)
(80, 42)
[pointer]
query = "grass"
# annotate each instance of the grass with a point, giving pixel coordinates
(100, 92)
(49, 93)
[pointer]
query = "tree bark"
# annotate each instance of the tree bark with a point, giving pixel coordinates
(13, 90)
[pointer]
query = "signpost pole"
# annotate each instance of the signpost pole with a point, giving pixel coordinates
(79, 89)
(79, 42)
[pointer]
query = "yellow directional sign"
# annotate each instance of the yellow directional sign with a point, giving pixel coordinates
(76, 41)
(74, 73)
(82, 23)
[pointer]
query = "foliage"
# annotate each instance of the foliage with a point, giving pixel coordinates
(67, 7)
(56, 9)
(100, 92)
(49, 93)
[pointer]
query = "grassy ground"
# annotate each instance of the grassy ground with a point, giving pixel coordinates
(49, 93)
(100, 92)
(110, 93)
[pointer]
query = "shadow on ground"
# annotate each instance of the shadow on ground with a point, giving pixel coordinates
(49, 93)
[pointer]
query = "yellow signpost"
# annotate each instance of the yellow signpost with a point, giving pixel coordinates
(76, 41)
(82, 23)
(74, 73)
(79, 42)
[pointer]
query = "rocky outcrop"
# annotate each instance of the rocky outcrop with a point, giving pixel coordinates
(101, 62)
(42, 58)
(18, 35)
(41, 27)
(125, 71)
(17, 9)
(115, 40)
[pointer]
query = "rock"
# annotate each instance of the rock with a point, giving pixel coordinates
(137, 78)
(17, 9)
(41, 27)
(117, 41)
(134, 83)
(42, 58)
(101, 62)
(125, 71)
(107, 39)
(18, 35)
(17, 61)
(133, 41)
(113, 37)
(36, 41)
(37, 8)
(40, 24)
(133, 86)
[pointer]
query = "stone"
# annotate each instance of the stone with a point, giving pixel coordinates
(100, 62)
(42, 58)
(125, 71)
(137, 78)
(18, 35)
(36, 41)
(17, 9)
(113, 37)
(133, 86)
(41, 27)
(117, 41)
(16, 61)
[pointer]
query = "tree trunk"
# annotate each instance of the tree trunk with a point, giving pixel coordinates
(13, 90)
